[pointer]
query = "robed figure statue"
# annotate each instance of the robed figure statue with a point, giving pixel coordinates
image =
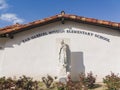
(64, 59)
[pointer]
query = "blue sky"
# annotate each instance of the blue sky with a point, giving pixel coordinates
(24, 11)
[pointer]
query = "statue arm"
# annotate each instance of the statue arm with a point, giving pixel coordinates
(60, 52)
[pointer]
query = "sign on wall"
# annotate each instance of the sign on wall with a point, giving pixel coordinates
(67, 31)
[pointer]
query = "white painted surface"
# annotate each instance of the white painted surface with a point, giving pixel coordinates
(39, 57)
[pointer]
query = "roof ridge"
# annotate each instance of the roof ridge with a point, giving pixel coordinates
(17, 27)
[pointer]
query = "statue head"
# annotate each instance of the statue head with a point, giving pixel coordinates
(62, 42)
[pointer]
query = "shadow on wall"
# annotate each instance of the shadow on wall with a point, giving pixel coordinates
(77, 65)
(26, 34)
(68, 67)
(96, 29)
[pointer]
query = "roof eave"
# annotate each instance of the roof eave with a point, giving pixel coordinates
(60, 17)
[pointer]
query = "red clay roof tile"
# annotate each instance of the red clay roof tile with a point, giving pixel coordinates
(22, 27)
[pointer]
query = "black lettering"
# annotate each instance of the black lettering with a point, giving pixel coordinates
(23, 41)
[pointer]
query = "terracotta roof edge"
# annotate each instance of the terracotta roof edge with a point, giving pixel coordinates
(17, 27)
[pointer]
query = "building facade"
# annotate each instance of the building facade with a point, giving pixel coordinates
(58, 45)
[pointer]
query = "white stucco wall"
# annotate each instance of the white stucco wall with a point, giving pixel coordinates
(38, 57)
